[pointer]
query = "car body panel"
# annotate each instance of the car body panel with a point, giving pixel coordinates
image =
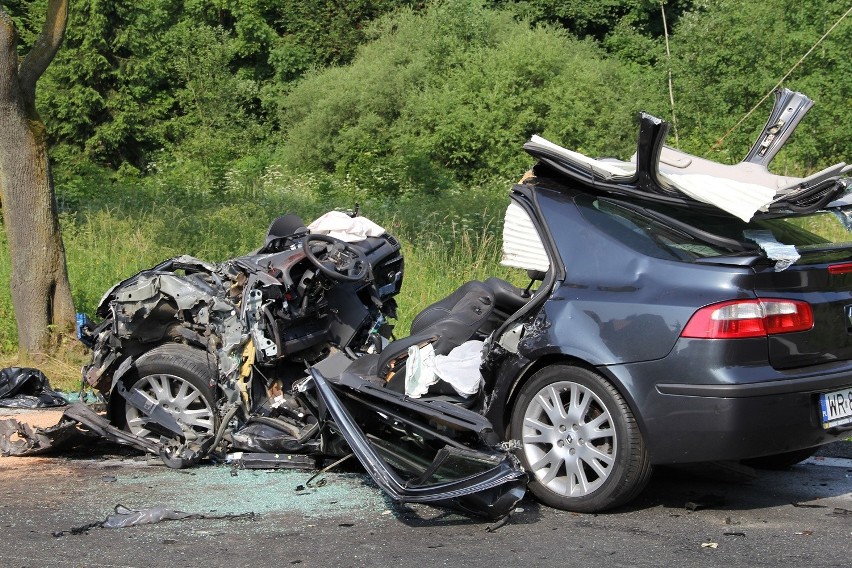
(603, 303)
(829, 296)
(490, 473)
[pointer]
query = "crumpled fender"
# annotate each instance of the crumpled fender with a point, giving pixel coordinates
(179, 262)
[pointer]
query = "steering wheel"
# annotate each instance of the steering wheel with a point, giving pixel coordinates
(336, 259)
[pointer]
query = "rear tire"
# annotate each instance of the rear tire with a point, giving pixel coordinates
(581, 444)
(182, 379)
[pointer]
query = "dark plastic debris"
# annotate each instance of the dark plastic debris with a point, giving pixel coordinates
(19, 439)
(705, 502)
(23, 387)
(247, 460)
(808, 506)
(79, 425)
(123, 517)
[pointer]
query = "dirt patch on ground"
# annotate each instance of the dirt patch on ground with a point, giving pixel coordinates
(42, 418)
(18, 467)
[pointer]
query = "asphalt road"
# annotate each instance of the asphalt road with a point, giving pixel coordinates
(258, 518)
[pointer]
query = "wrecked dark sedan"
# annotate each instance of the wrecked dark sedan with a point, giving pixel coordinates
(678, 311)
(199, 359)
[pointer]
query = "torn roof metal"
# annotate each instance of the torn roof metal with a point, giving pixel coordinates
(661, 174)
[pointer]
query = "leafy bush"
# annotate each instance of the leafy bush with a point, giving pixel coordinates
(726, 58)
(453, 92)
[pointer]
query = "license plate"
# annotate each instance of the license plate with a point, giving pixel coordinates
(836, 408)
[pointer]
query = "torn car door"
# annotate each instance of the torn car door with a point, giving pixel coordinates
(423, 451)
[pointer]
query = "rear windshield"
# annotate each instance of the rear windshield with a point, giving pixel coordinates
(680, 234)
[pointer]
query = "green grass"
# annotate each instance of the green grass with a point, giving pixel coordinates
(446, 242)
(435, 268)
(825, 225)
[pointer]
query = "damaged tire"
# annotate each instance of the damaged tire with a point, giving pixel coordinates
(581, 444)
(179, 378)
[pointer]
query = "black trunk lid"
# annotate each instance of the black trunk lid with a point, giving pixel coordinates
(823, 279)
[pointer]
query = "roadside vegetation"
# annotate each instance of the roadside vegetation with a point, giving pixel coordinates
(186, 127)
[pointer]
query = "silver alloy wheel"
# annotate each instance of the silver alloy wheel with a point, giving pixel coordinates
(178, 396)
(569, 439)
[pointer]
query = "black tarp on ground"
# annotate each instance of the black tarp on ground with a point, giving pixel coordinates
(22, 387)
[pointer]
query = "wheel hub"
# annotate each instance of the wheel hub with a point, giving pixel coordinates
(569, 439)
(175, 395)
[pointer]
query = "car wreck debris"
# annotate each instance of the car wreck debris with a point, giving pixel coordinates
(19, 439)
(476, 476)
(658, 287)
(201, 359)
(784, 255)
(79, 425)
(661, 174)
(123, 517)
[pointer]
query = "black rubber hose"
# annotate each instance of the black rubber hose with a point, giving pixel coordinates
(225, 420)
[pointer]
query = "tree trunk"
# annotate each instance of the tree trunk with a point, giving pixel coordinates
(41, 293)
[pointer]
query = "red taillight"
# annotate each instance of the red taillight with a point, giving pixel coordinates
(843, 268)
(749, 318)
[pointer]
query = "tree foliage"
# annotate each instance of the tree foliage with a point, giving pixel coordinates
(415, 95)
(453, 92)
(122, 88)
(726, 58)
(629, 29)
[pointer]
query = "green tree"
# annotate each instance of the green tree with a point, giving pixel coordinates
(116, 94)
(215, 119)
(630, 29)
(454, 92)
(41, 293)
(107, 94)
(728, 55)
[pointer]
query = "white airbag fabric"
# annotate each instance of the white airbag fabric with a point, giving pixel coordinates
(420, 370)
(341, 226)
(459, 368)
(738, 198)
(522, 247)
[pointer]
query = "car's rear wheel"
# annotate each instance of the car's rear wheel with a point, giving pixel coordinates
(580, 441)
(179, 378)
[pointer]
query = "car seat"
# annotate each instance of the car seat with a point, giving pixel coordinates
(445, 324)
(284, 226)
